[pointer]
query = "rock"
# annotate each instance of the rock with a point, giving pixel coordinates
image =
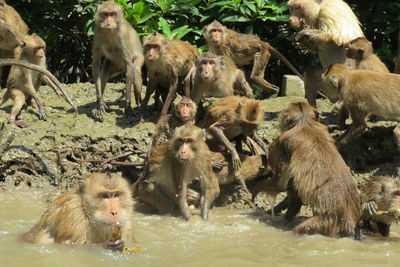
(292, 85)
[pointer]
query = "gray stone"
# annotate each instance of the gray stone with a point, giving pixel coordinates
(292, 85)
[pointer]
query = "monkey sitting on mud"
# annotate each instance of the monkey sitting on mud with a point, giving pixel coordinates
(380, 198)
(89, 214)
(306, 163)
(175, 164)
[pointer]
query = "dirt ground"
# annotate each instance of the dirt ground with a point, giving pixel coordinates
(57, 152)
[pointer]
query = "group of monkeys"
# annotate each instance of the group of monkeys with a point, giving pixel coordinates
(187, 163)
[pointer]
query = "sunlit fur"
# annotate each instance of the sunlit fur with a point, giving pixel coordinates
(79, 217)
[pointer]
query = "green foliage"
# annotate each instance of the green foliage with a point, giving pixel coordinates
(67, 26)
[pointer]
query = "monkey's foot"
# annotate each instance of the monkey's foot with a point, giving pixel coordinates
(236, 162)
(128, 111)
(19, 123)
(100, 111)
(43, 115)
(117, 245)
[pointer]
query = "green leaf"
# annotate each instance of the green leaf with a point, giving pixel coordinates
(236, 18)
(165, 28)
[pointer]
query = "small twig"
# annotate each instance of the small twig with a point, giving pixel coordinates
(117, 157)
(114, 162)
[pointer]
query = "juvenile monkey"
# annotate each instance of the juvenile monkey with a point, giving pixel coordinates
(306, 163)
(87, 214)
(234, 118)
(172, 166)
(380, 198)
(168, 62)
(117, 42)
(365, 92)
(184, 113)
(24, 83)
(244, 49)
(216, 76)
(360, 49)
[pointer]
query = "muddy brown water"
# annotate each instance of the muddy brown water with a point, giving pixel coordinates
(229, 238)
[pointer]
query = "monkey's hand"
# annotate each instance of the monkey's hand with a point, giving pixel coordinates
(217, 165)
(236, 162)
(370, 207)
(43, 115)
(117, 245)
(310, 39)
(286, 31)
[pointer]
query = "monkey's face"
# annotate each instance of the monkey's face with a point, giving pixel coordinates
(302, 12)
(334, 75)
(207, 68)
(39, 51)
(185, 148)
(216, 35)
(357, 54)
(152, 51)
(109, 20)
(185, 111)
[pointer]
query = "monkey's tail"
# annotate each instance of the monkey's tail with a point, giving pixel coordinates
(282, 57)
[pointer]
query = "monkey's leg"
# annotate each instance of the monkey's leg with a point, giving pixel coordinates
(151, 87)
(383, 228)
(128, 88)
(150, 194)
(314, 225)
(257, 74)
(98, 80)
(283, 205)
(294, 203)
(219, 133)
(19, 101)
(137, 79)
(260, 142)
(312, 83)
(171, 93)
(356, 128)
(183, 205)
(32, 92)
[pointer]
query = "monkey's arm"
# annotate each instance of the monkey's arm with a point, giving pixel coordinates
(100, 110)
(173, 84)
(188, 82)
(311, 39)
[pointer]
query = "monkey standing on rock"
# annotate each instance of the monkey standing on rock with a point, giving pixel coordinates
(244, 49)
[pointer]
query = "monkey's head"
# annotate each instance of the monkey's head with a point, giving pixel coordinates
(358, 48)
(297, 113)
(187, 141)
(215, 32)
(303, 12)
(250, 115)
(2, 3)
(106, 198)
(388, 196)
(186, 109)
(335, 75)
(154, 46)
(33, 47)
(108, 16)
(209, 65)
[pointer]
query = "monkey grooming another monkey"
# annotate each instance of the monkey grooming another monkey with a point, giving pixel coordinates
(235, 118)
(24, 83)
(244, 49)
(216, 76)
(168, 62)
(117, 42)
(360, 49)
(380, 198)
(87, 214)
(172, 166)
(306, 163)
(365, 92)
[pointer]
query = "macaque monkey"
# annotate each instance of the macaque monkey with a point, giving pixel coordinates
(360, 49)
(117, 42)
(168, 62)
(244, 49)
(325, 27)
(12, 31)
(88, 214)
(184, 113)
(235, 118)
(172, 166)
(397, 66)
(23, 83)
(380, 198)
(365, 92)
(306, 163)
(216, 76)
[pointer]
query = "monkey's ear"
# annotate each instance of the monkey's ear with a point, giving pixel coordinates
(334, 80)
(239, 107)
(22, 44)
(222, 61)
(316, 113)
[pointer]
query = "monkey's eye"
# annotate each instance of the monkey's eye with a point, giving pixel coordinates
(296, 6)
(396, 194)
(116, 194)
(105, 195)
(188, 141)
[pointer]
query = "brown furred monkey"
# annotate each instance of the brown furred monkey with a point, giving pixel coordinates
(12, 31)
(306, 163)
(244, 49)
(361, 50)
(168, 62)
(23, 83)
(216, 76)
(87, 214)
(172, 166)
(184, 113)
(235, 118)
(119, 44)
(380, 198)
(325, 33)
(365, 92)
